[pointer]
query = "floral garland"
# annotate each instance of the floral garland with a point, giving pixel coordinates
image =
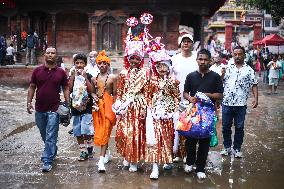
(163, 102)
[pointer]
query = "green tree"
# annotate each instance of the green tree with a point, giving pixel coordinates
(273, 7)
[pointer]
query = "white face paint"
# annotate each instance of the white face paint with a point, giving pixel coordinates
(162, 69)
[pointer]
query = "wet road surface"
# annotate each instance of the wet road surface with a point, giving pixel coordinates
(21, 146)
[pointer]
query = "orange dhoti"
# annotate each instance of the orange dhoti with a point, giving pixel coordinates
(104, 120)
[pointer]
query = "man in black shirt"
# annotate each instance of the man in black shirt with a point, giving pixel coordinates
(209, 83)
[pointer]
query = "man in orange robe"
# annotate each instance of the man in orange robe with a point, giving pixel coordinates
(103, 116)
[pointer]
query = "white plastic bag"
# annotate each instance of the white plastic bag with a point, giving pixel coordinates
(80, 94)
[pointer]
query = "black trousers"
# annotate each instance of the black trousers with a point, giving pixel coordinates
(203, 149)
(10, 59)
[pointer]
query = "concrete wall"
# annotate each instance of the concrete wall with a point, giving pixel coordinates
(15, 75)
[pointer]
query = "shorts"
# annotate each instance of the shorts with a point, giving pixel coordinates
(83, 125)
(273, 81)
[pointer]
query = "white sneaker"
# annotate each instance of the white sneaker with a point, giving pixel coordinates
(125, 163)
(167, 166)
(184, 160)
(133, 167)
(201, 175)
(238, 154)
(108, 157)
(226, 151)
(155, 172)
(177, 159)
(101, 165)
(188, 168)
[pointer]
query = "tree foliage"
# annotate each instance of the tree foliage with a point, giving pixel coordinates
(273, 7)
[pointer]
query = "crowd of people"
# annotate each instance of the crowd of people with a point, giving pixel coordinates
(29, 43)
(145, 104)
(268, 66)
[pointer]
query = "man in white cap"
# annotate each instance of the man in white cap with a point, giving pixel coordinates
(183, 63)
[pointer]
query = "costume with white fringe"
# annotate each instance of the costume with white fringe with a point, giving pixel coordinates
(131, 96)
(163, 98)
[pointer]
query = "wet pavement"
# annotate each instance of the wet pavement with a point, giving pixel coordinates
(21, 146)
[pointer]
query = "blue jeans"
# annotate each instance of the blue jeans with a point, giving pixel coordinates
(48, 125)
(236, 114)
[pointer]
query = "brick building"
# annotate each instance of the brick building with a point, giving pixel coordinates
(81, 25)
(74, 26)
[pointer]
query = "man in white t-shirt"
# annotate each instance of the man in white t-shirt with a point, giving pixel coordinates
(10, 54)
(183, 64)
(92, 67)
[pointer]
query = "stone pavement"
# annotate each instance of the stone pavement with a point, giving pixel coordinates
(21, 146)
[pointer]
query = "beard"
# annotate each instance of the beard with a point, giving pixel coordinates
(204, 67)
(50, 62)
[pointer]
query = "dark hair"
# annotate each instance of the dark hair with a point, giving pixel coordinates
(275, 56)
(59, 61)
(240, 47)
(210, 39)
(204, 51)
(81, 56)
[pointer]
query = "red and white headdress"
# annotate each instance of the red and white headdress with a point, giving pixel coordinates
(137, 38)
(157, 53)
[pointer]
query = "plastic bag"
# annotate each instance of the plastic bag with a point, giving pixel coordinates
(80, 96)
(64, 114)
(197, 121)
(214, 137)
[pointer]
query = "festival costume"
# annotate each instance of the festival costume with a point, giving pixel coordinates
(130, 135)
(131, 99)
(163, 97)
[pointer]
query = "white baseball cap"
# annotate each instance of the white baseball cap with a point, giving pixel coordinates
(186, 35)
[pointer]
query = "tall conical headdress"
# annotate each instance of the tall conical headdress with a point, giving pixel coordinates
(137, 38)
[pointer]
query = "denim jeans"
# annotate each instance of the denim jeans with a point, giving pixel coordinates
(236, 114)
(48, 125)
